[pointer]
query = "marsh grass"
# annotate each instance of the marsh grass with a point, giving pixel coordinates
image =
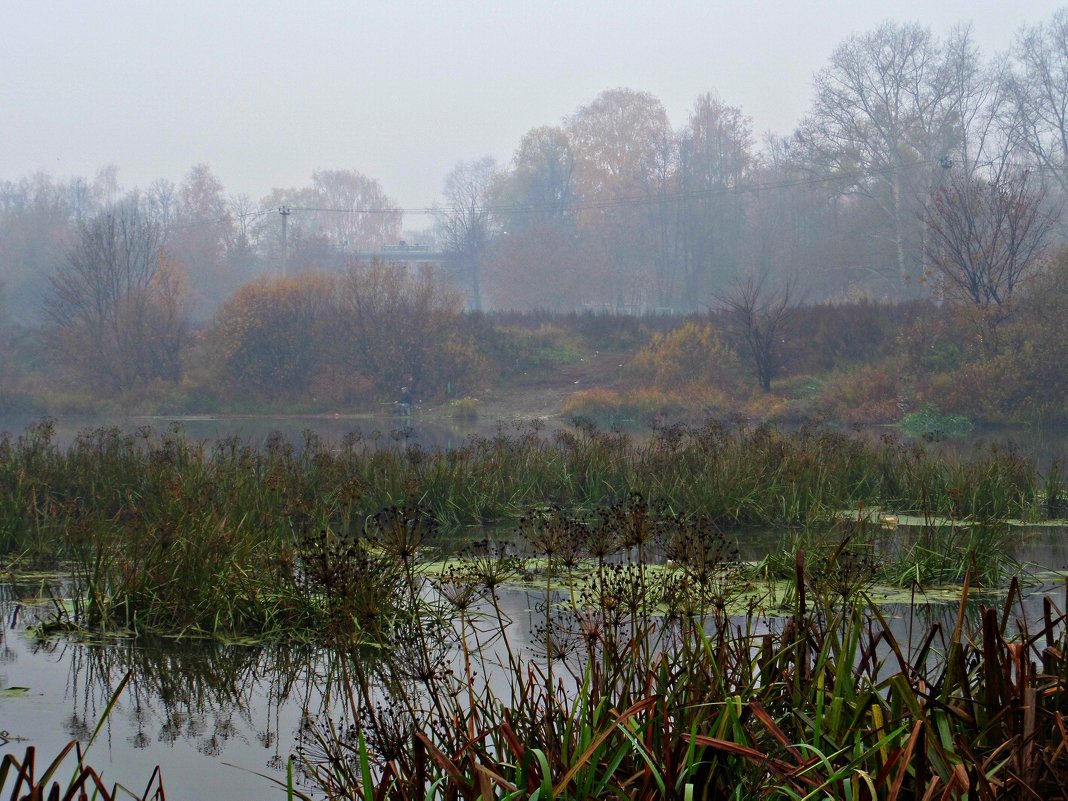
(171, 535)
(655, 663)
(1054, 498)
(636, 682)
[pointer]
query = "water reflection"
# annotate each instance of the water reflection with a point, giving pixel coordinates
(203, 693)
(187, 706)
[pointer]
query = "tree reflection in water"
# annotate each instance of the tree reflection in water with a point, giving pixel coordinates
(210, 694)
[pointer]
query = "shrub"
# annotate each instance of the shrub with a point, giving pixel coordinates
(867, 394)
(339, 339)
(465, 408)
(267, 335)
(607, 407)
(693, 353)
(930, 423)
(841, 335)
(519, 349)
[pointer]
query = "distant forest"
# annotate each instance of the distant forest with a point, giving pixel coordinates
(924, 172)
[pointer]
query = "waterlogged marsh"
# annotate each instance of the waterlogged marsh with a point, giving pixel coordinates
(196, 708)
(437, 428)
(188, 707)
(212, 715)
(307, 498)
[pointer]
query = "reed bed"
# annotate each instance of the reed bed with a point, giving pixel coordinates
(171, 535)
(737, 474)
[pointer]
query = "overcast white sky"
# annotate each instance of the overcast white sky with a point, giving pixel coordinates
(265, 92)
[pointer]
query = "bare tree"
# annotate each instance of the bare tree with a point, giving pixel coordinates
(986, 127)
(106, 184)
(883, 116)
(758, 318)
(986, 238)
(162, 204)
(116, 305)
(242, 258)
(465, 226)
(1040, 92)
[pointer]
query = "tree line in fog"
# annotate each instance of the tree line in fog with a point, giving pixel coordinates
(922, 167)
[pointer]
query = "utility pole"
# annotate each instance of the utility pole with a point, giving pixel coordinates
(285, 211)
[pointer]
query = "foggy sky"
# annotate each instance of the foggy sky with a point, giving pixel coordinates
(267, 92)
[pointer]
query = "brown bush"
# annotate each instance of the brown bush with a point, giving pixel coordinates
(867, 394)
(693, 353)
(360, 336)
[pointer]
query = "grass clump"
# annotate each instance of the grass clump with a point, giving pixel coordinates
(930, 424)
(608, 408)
(465, 408)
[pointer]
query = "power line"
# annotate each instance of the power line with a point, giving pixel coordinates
(219, 220)
(285, 211)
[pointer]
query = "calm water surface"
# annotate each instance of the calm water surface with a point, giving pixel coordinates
(211, 715)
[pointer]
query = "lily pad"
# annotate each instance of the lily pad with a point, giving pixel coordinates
(13, 692)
